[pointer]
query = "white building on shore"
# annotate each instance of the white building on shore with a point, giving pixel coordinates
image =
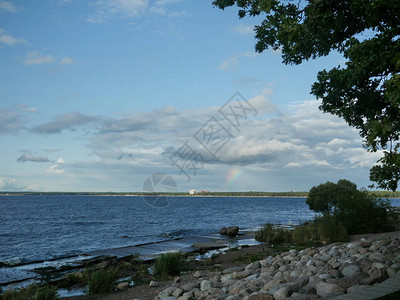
(192, 192)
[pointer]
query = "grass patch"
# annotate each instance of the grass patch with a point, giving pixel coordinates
(249, 258)
(168, 264)
(273, 234)
(324, 229)
(31, 292)
(102, 281)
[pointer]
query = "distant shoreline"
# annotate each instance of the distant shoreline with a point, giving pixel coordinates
(383, 194)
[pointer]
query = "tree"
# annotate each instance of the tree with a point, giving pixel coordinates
(357, 210)
(366, 91)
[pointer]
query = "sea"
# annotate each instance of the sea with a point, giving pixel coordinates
(44, 227)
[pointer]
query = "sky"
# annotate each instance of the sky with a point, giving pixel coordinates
(98, 95)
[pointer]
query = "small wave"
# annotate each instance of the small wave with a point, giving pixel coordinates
(176, 233)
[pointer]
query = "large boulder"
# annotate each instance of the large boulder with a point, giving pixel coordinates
(232, 230)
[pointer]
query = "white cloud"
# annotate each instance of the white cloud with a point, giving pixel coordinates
(66, 61)
(8, 6)
(108, 9)
(63, 122)
(244, 29)
(26, 108)
(232, 62)
(8, 39)
(57, 168)
(35, 58)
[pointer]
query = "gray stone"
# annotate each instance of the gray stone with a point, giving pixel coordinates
(272, 283)
(223, 230)
(325, 288)
(178, 292)
(260, 297)
(189, 286)
(169, 298)
(355, 288)
(283, 293)
(205, 285)
(253, 266)
(153, 283)
(123, 285)
(232, 269)
(351, 270)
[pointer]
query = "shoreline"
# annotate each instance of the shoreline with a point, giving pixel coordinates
(227, 277)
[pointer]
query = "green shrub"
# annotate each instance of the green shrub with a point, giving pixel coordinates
(358, 210)
(102, 281)
(273, 234)
(324, 229)
(168, 264)
(31, 292)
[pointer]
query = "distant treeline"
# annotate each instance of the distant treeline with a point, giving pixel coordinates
(380, 194)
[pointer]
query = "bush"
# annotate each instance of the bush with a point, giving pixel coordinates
(168, 264)
(102, 281)
(273, 234)
(31, 292)
(357, 210)
(324, 229)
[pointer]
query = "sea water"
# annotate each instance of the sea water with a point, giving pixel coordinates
(42, 227)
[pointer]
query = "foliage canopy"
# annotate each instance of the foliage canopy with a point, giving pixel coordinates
(357, 210)
(366, 91)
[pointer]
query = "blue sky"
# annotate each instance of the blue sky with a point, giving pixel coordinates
(97, 95)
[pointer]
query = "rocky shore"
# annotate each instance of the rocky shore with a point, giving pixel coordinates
(313, 273)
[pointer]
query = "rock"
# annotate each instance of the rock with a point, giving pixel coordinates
(223, 230)
(197, 274)
(277, 287)
(240, 275)
(178, 292)
(166, 293)
(189, 286)
(123, 285)
(356, 288)
(351, 270)
(283, 293)
(232, 269)
(177, 279)
(205, 285)
(153, 283)
(375, 276)
(232, 230)
(325, 288)
(302, 281)
(169, 298)
(260, 297)
(304, 297)
(272, 283)
(253, 266)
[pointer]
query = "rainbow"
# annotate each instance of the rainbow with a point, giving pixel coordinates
(232, 175)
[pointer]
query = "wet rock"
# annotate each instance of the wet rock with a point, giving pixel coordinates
(223, 230)
(232, 230)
